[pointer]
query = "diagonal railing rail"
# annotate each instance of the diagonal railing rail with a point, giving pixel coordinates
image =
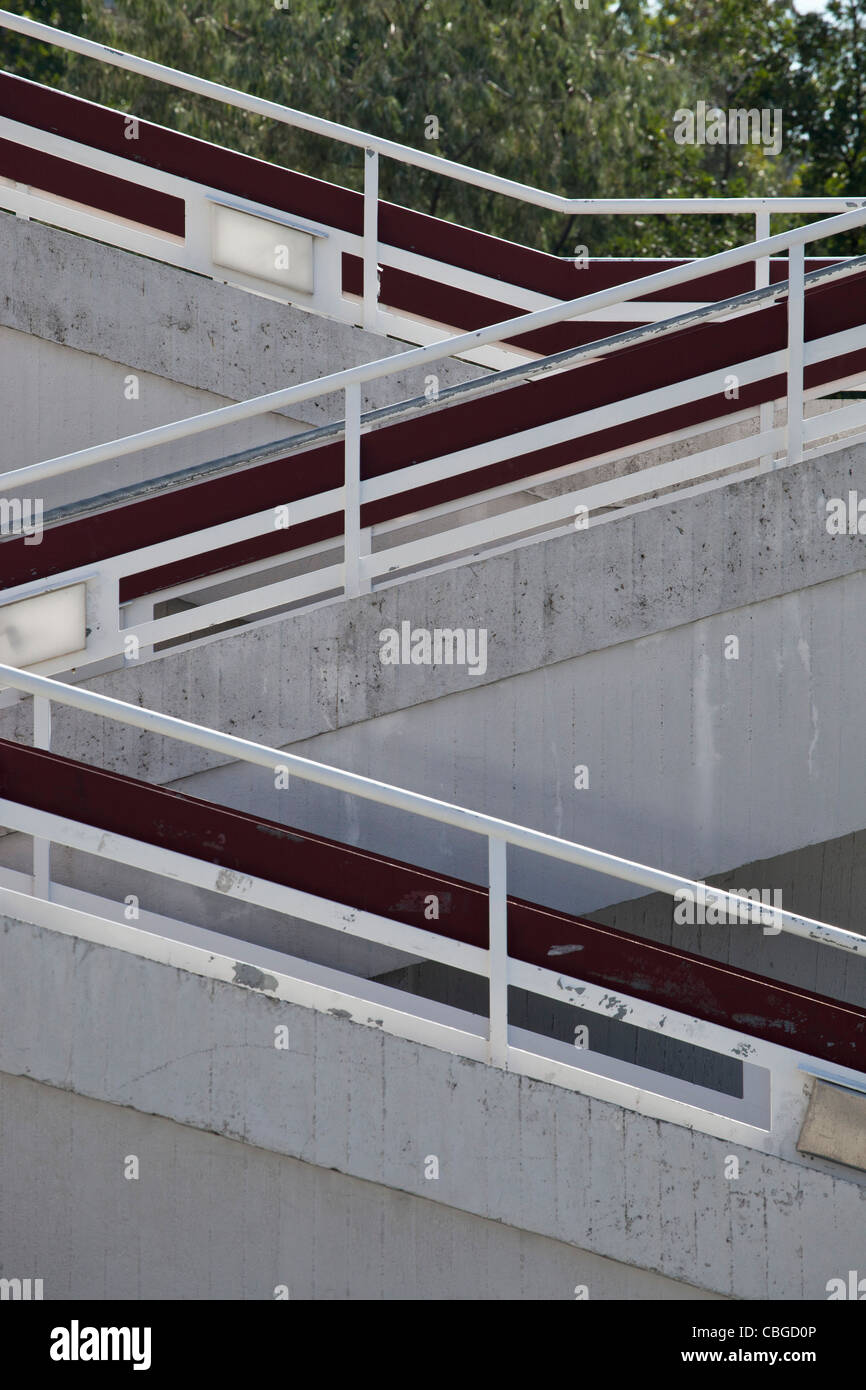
(359, 566)
(349, 379)
(764, 1110)
(498, 833)
(375, 147)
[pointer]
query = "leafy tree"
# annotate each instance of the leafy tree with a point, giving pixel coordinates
(828, 106)
(41, 61)
(579, 101)
(540, 91)
(734, 56)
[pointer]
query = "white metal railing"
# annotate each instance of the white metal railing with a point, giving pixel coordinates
(360, 566)
(234, 748)
(763, 1108)
(503, 1047)
(374, 147)
(792, 242)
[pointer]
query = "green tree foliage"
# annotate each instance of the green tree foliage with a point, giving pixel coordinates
(827, 104)
(569, 99)
(574, 100)
(734, 55)
(41, 61)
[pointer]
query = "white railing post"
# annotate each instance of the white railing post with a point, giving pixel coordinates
(762, 280)
(455, 346)
(370, 313)
(352, 489)
(41, 848)
(497, 1046)
(231, 748)
(796, 317)
(762, 263)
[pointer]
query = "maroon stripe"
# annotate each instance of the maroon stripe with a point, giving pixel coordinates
(182, 155)
(511, 470)
(273, 186)
(644, 367)
(103, 191)
(463, 311)
(694, 351)
(246, 844)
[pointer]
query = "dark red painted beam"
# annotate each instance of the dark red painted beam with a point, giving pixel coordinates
(432, 299)
(69, 180)
(182, 155)
(246, 844)
(256, 180)
(462, 311)
(644, 367)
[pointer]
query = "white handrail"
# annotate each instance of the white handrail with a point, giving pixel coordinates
(405, 154)
(234, 748)
(420, 356)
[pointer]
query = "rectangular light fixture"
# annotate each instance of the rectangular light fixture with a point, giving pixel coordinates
(43, 627)
(269, 250)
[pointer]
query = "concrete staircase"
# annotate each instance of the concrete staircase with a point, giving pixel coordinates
(323, 1113)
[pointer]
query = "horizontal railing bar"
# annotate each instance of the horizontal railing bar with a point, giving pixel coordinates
(415, 357)
(327, 990)
(628, 408)
(594, 998)
(234, 748)
(546, 981)
(260, 892)
(406, 154)
(238, 607)
(559, 509)
(317, 505)
(461, 391)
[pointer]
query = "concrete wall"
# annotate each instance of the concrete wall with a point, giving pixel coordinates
(61, 399)
(145, 1037)
(606, 648)
(826, 881)
(213, 1218)
(696, 764)
(96, 313)
(582, 594)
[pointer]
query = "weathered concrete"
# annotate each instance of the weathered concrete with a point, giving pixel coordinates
(111, 1026)
(107, 313)
(212, 1218)
(835, 1126)
(58, 399)
(186, 328)
(606, 649)
(292, 678)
